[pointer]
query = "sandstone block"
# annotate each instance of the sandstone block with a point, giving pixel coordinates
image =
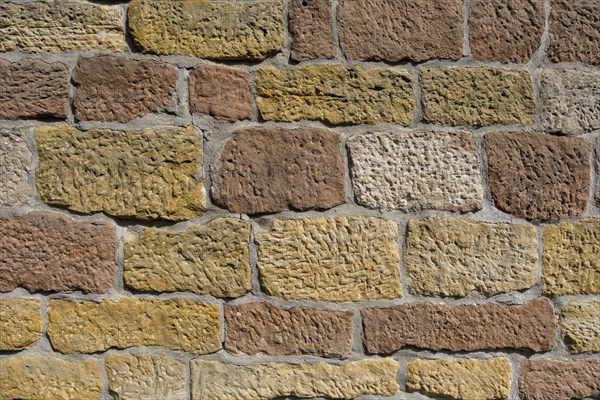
(598, 172)
(580, 323)
(16, 164)
(310, 27)
(559, 380)
(20, 323)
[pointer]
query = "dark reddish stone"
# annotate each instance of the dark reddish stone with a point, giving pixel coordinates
(559, 380)
(310, 27)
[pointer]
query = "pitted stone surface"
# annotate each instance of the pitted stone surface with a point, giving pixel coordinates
(310, 28)
(20, 323)
(267, 169)
(559, 380)
(571, 258)
(205, 259)
(476, 96)
(323, 259)
(91, 327)
(412, 171)
(598, 172)
(14, 170)
(50, 252)
(538, 176)
(254, 328)
(156, 176)
(580, 323)
(459, 257)
(335, 94)
(220, 381)
(463, 327)
(222, 30)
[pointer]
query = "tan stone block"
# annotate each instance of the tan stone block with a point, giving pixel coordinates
(20, 323)
(16, 164)
(580, 323)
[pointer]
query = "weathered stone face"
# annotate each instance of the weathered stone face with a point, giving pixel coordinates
(341, 259)
(16, 164)
(20, 324)
(147, 175)
(579, 324)
(598, 172)
(273, 169)
(553, 379)
(310, 28)
(416, 171)
(221, 30)
(205, 259)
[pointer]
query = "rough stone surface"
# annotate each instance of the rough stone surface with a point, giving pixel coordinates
(506, 31)
(476, 96)
(156, 176)
(412, 171)
(598, 172)
(571, 258)
(463, 327)
(221, 92)
(335, 94)
(580, 323)
(40, 377)
(254, 328)
(458, 257)
(20, 323)
(575, 31)
(51, 252)
(205, 259)
(91, 327)
(267, 169)
(559, 380)
(223, 30)
(310, 28)
(341, 259)
(144, 377)
(537, 176)
(33, 89)
(60, 26)
(460, 378)
(220, 381)
(396, 30)
(117, 89)
(570, 101)
(14, 168)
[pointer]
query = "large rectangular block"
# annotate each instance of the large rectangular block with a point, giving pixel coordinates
(580, 324)
(20, 323)
(559, 380)
(16, 157)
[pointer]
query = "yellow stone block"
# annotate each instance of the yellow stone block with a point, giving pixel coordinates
(580, 323)
(20, 323)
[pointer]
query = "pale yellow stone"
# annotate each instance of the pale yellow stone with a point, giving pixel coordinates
(219, 381)
(20, 323)
(341, 259)
(175, 324)
(205, 259)
(143, 377)
(148, 174)
(217, 29)
(49, 378)
(460, 379)
(335, 94)
(459, 257)
(580, 323)
(60, 26)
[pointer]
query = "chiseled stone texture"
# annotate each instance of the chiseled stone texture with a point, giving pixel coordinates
(156, 168)
(335, 94)
(476, 96)
(412, 171)
(33, 89)
(464, 327)
(598, 172)
(265, 169)
(458, 378)
(327, 259)
(575, 31)
(223, 30)
(39, 377)
(221, 92)
(538, 176)
(261, 328)
(117, 89)
(559, 380)
(208, 259)
(580, 323)
(570, 101)
(144, 377)
(396, 30)
(310, 28)
(506, 31)
(459, 257)
(44, 251)
(16, 163)
(571, 258)
(20, 323)
(60, 26)
(175, 324)
(220, 381)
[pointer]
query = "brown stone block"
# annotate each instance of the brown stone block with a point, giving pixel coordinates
(310, 27)
(575, 31)
(559, 380)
